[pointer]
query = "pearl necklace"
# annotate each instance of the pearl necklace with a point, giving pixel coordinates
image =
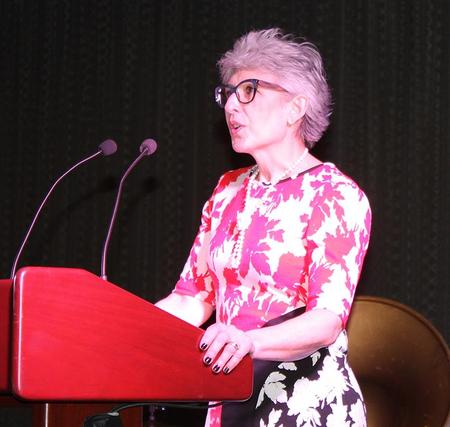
(287, 172)
(245, 216)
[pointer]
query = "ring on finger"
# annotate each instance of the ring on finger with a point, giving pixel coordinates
(235, 345)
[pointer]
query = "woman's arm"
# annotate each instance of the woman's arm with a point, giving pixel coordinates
(296, 338)
(187, 308)
(290, 340)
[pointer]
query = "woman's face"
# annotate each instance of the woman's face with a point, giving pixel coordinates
(262, 123)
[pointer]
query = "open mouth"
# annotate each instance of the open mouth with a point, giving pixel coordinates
(234, 126)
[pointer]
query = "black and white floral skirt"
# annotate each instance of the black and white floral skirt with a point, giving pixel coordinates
(319, 390)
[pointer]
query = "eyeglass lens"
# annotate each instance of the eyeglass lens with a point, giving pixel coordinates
(245, 92)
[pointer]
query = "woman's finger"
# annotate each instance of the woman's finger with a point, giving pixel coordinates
(224, 346)
(240, 351)
(215, 341)
(229, 351)
(209, 335)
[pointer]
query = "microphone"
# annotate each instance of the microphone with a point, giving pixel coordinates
(147, 148)
(106, 148)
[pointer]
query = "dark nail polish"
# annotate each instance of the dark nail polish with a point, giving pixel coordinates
(203, 346)
(207, 360)
(226, 370)
(216, 368)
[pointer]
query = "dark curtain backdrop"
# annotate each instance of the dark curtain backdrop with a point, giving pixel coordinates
(74, 73)
(77, 72)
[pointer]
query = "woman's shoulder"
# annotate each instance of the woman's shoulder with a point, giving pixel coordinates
(328, 174)
(333, 189)
(234, 177)
(328, 181)
(229, 183)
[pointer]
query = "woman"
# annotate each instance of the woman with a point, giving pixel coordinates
(280, 246)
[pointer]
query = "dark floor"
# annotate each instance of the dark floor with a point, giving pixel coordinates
(159, 417)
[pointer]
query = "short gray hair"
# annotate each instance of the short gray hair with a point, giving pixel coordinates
(299, 65)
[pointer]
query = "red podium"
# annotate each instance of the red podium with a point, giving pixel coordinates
(78, 338)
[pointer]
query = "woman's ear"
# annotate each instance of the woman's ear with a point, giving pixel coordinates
(297, 109)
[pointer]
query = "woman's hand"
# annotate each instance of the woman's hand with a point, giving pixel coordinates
(225, 346)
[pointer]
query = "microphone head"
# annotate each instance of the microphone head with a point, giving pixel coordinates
(149, 146)
(108, 147)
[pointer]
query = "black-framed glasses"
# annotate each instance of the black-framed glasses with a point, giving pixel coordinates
(245, 91)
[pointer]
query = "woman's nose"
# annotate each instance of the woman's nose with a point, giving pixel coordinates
(232, 103)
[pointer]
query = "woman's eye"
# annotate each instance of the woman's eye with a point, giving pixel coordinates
(248, 89)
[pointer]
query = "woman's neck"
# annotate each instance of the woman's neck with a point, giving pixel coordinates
(282, 162)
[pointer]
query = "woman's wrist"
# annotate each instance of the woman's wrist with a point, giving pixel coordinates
(253, 343)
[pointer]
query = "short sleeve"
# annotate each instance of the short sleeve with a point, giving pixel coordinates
(337, 240)
(195, 279)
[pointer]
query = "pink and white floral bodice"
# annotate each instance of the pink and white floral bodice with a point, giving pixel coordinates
(304, 246)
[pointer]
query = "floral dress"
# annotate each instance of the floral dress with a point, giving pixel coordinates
(302, 249)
